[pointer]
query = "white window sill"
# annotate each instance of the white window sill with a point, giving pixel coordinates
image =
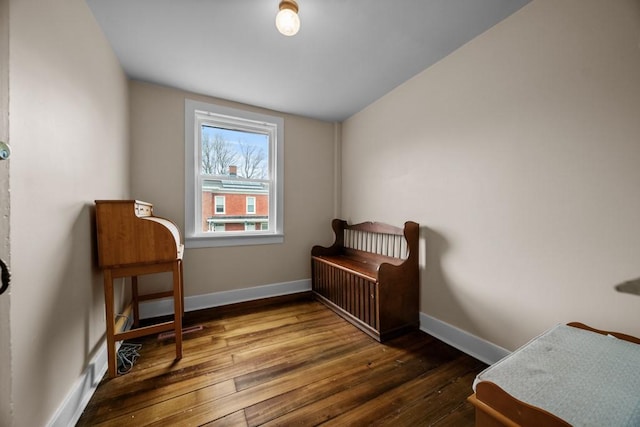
(235, 240)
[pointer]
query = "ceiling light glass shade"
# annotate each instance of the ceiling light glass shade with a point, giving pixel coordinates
(287, 20)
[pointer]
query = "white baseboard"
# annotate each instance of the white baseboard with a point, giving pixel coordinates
(472, 345)
(78, 398)
(482, 350)
(70, 410)
(164, 307)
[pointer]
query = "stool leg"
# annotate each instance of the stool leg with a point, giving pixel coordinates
(177, 308)
(109, 311)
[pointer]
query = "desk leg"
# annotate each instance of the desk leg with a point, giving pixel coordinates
(177, 307)
(135, 301)
(182, 286)
(109, 311)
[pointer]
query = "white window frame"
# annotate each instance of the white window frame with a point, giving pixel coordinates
(197, 113)
(254, 205)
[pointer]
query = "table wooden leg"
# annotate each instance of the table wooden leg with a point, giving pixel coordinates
(110, 318)
(135, 301)
(177, 307)
(182, 285)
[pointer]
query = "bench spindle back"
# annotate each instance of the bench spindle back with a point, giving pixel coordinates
(391, 245)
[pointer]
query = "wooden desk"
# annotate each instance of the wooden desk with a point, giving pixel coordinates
(133, 242)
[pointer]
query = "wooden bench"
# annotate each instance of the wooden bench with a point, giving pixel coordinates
(370, 276)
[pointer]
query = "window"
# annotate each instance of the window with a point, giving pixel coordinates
(234, 168)
(214, 226)
(219, 202)
(251, 205)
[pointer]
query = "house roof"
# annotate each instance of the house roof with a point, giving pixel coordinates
(235, 186)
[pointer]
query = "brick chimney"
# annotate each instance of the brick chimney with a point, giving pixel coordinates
(233, 170)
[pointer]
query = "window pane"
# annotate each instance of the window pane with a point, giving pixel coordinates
(233, 209)
(239, 161)
(234, 153)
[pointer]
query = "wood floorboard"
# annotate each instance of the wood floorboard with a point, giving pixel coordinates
(358, 390)
(349, 371)
(232, 420)
(150, 373)
(287, 361)
(416, 396)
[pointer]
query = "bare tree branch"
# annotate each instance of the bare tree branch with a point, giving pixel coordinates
(207, 155)
(252, 161)
(217, 155)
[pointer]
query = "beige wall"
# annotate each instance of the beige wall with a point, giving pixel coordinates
(518, 154)
(69, 132)
(5, 250)
(157, 173)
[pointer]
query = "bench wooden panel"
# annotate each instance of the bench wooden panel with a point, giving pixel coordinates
(370, 276)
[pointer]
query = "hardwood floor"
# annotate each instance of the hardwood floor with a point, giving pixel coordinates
(287, 362)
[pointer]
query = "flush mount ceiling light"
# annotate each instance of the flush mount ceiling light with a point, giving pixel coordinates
(287, 20)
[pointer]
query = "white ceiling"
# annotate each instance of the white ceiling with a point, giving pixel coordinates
(347, 54)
